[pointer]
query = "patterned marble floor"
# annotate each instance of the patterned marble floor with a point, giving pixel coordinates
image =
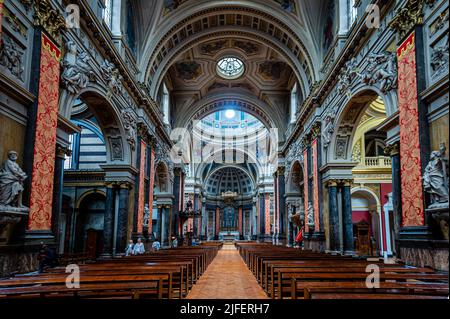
(227, 278)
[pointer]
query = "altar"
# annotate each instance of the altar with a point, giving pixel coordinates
(229, 236)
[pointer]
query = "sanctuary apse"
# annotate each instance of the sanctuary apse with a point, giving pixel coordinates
(224, 121)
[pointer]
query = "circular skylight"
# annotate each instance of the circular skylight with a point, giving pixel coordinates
(230, 68)
(230, 114)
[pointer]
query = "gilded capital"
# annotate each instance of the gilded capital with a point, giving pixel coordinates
(392, 150)
(49, 18)
(409, 16)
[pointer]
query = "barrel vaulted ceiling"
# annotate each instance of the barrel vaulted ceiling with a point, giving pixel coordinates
(181, 41)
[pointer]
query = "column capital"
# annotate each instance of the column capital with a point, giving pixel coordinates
(49, 18)
(119, 184)
(332, 183)
(392, 150)
(62, 151)
(407, 17)
(347, 182)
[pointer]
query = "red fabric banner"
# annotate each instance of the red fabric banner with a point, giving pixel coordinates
(410, 160)
(315, 153)
(41, 197)
(267, 214)
(141, 196)
(305, 187)
(151, 190)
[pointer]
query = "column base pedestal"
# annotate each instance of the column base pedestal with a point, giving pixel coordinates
(39, 236)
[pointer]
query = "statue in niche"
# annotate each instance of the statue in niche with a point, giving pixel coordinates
(310, 215)
(435, 178)
(328, 130)
(11, 184)
(146, 216)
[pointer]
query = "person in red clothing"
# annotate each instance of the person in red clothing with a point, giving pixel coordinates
(299, 238)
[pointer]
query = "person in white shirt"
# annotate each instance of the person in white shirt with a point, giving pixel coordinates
(156, 245)
(139, 248)
(130, 248)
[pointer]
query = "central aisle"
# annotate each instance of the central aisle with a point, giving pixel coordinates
(227, 278)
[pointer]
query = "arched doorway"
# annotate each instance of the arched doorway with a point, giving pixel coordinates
(294, 202)
(367, 223)
(89, 224)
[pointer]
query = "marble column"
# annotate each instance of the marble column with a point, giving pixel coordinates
(165, 240)
(108, 228)
(240, 223)
(262, 217)
(349, 248)
(177, 202)
(122, 220)
(334, 216)
(254, 221)
(281, 205)
(58, 192)
(204, 235)
(394, 152)
(159, 224)
(196, 220)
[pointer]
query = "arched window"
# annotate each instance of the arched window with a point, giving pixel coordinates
(107, 13)
(294, 101)
(165, 104)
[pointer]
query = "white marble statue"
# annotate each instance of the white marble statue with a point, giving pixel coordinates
(11, 184)
(435, 178)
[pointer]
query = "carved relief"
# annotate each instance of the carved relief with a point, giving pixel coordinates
(356, 153)
(382, 69)
(11, 57)
(77, 73)
(348, 74)
(341, 148)
(328, 130)
(112, 77)
(129, 123)
(116, 148)
(439, 58)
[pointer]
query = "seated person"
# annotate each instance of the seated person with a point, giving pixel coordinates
(139, 248)
(47, 258)
(156, 245)
(174, 242)
(130, 248)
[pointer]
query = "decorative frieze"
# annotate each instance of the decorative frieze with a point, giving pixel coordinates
(112, 77)
(382, 70)
(77, 72)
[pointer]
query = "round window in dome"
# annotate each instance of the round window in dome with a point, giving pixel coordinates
(230, 68)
